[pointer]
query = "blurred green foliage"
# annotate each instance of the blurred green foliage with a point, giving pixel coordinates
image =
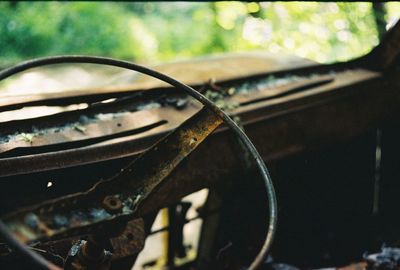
(152, 32)
(35, 29)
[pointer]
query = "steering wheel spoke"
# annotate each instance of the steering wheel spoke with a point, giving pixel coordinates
(119, 197)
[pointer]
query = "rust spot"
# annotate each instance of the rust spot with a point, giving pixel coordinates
(112, 204)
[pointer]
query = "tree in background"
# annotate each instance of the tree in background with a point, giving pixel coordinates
(152, 32)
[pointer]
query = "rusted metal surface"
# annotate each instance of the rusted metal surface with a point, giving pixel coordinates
(127, 243)
(92, 149)
(81, 133)
(153, 124)
(130, 241)
(280, 88)
(76, 214)
(222, 68)
(279, 134)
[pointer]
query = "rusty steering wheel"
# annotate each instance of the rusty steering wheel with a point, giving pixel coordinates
(121, 196)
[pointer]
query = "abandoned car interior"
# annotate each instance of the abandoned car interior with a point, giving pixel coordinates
(271, 162)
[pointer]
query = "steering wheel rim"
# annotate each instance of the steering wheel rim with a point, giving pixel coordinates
(248, 145)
